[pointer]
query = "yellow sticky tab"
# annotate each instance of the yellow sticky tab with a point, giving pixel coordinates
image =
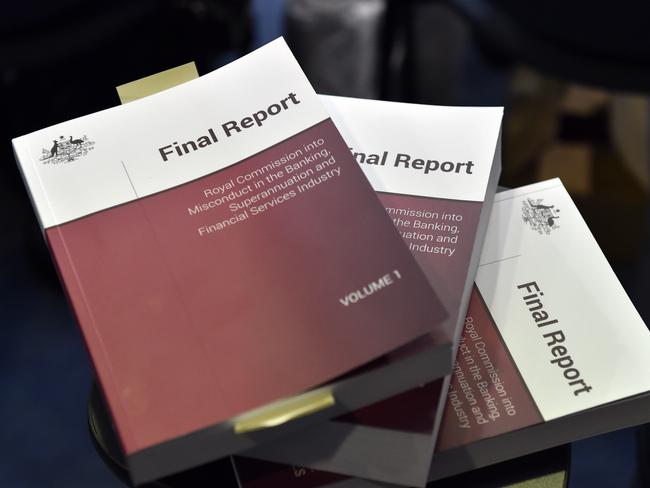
(157, 82)
(285, 410)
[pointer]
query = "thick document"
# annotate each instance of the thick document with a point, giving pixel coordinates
(552, 349)
(223, 251)
(435, 170)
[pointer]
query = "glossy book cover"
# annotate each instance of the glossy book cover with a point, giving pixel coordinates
(221, 250)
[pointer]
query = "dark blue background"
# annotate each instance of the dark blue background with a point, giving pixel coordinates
(45, 373)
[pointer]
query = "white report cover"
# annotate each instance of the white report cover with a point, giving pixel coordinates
(233, 273)
(552, 349)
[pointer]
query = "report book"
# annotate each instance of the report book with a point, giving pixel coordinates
(232, 271)
(435, 170)
(552, 351)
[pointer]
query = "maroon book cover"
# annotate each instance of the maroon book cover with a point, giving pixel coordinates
(221, 250)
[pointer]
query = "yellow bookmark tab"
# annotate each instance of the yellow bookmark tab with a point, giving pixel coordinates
(283, 411)
(157, 82)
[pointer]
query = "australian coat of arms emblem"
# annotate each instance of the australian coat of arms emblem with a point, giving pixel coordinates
(541, 218)
(67, 150)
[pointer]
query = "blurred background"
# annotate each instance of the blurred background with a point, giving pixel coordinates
(573, 78)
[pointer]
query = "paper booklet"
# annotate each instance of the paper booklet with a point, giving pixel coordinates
(435, 170)
(223, 253)
(552, 349)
